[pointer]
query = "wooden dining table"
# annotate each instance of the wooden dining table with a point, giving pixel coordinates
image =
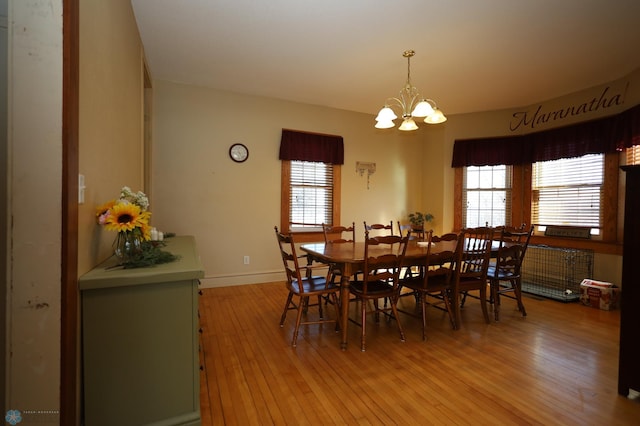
(349, 258)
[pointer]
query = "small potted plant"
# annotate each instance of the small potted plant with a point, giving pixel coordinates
(418, 220)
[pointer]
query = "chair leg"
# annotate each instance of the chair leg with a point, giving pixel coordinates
(320, 307)
(483, 304)
(286, 308)
(394, 308)
(334, 299)
(294, 342)
(364, 325)
(455, 304)
(517, 289)
(423, 301)
(447, 304)
(495, 295)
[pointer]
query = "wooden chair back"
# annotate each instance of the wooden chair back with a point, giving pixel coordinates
(511, 252)
(439, 265)
(287, 248)
(472, 263)
(383, 257)
(417, 233)
(475, 252)
(339, 234)
(379, 227)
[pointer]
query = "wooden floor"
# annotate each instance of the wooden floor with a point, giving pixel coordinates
(557, 366)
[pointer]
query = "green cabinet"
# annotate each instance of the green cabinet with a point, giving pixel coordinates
(140, 341)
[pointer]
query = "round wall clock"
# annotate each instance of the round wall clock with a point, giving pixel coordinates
(238, 152)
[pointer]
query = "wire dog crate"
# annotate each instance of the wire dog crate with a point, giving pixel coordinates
(555, 272)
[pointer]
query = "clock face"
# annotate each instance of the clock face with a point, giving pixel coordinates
(238, 152)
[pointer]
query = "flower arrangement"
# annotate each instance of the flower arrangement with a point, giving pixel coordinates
(129, 217)
(127, 214)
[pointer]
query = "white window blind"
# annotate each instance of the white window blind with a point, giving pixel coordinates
(633, 155)
(568, 192)
(486, 196)
(311, 194)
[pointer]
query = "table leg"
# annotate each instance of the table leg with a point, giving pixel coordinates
(344, 305)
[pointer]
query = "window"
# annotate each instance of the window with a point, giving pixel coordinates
(486, 196)
(310, 183)
(311, 195)
(568, 192)
(633, 155)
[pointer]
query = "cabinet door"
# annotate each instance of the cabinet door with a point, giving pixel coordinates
(140, 353)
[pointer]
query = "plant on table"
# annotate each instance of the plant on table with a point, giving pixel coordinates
(129, 217)
(418, 219)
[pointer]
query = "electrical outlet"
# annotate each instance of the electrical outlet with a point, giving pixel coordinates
(246, 260)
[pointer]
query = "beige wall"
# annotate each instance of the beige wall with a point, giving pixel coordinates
(111, 155)
(232, 208)
(111, 103)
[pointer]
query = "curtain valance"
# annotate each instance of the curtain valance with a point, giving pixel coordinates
(608, 134)
(305, 146)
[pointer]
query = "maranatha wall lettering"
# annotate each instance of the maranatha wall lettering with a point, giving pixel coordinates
(522, 119)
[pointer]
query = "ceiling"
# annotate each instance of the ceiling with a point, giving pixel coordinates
(471, 55)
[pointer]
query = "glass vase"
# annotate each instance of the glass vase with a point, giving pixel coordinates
(128, 245)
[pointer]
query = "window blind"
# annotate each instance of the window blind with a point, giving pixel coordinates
(633, 155)
(568, 192)
(311, 194)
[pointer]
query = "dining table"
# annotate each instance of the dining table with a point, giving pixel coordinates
(349, 258)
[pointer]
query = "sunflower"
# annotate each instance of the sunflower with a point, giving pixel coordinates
(126, 217)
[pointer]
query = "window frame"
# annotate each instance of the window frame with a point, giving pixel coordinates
(507, 188)
(285, 204)
(611, 237)
(573, 181)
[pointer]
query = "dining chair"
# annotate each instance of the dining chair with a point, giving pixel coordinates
(383, 256)
(381, 227)
(338, 234)
(505, 272)
(471, 268)
(303, 284)
(417, 232)
(433, 286)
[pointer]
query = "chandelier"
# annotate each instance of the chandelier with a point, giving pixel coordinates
(411, 104)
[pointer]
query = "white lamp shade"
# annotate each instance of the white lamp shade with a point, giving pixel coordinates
(382, 124)
(408, 124)
(386, 114)
(423, 109)
(436, 118)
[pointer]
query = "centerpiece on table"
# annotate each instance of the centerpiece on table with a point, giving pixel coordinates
(129, 217)
(418, 220)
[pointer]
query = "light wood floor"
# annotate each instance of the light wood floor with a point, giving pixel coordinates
(557, 366)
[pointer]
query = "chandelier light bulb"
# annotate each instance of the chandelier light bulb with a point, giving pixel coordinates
(436, 118)
(408, 124)
(382, 124)
(410, 104)
(423, 109)
(386, 114)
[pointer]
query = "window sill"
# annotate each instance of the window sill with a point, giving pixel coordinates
(605, 247)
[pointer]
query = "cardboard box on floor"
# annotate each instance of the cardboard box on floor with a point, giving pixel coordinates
(599, 294)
